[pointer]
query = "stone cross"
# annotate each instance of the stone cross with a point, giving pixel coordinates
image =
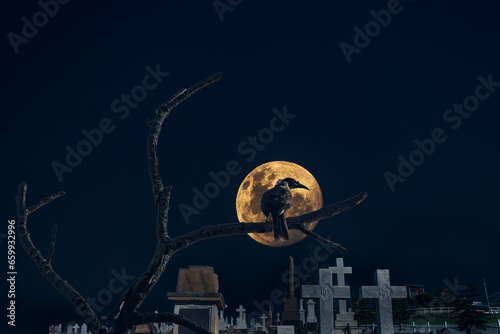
(311, 313)
(240, 310)
(340, 271)
(75, 328)
(263, 317)
(278, 317)
(326, 292)
(240, 321)
(384, 293)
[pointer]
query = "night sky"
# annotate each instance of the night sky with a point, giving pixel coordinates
(361, 107)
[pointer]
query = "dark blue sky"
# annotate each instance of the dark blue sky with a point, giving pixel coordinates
(353, 122)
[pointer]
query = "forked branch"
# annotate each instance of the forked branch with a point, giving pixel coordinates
(43, 264)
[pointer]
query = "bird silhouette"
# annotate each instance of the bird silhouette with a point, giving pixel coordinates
(275, 202)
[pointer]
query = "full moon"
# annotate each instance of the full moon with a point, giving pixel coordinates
(265, 177)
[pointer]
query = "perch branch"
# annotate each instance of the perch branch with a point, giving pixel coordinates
(178, 319)
(43, 265)
(52, 243)
(294, 223)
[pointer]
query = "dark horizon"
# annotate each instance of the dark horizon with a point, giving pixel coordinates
(396, 98)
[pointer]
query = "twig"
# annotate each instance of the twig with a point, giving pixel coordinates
(45, 201)
(321, 239)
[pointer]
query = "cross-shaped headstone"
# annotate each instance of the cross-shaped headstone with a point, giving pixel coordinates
(278, 317)
(263, 317)
(383, 293)
(75, 328)
(340, 271)
(241, 321)
(326, 293)
(240, 310)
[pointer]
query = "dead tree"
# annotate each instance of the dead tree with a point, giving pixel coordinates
(127, 315)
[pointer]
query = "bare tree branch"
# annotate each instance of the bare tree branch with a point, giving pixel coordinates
(327, 242)
(46, 269)
(45, 201)
(52, 243)
(155, 128)
(294, 223)
(144, 284)
(178, 319)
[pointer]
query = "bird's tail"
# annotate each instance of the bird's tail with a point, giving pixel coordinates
(280, 228)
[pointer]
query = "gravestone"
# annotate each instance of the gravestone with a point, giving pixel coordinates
(222, 323)
(197, 298)
(253, 328)
(291, 315)
(311, 313)
(240, 320)
(345, 317)
(83, 330)
(285, 329)
(326, 293)
(340, 271)
(302, 312)
(263, 317)
(383, 293)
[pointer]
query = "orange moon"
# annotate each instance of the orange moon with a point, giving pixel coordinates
(265, 177)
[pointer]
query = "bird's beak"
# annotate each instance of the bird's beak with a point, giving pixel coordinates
(298, 185)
